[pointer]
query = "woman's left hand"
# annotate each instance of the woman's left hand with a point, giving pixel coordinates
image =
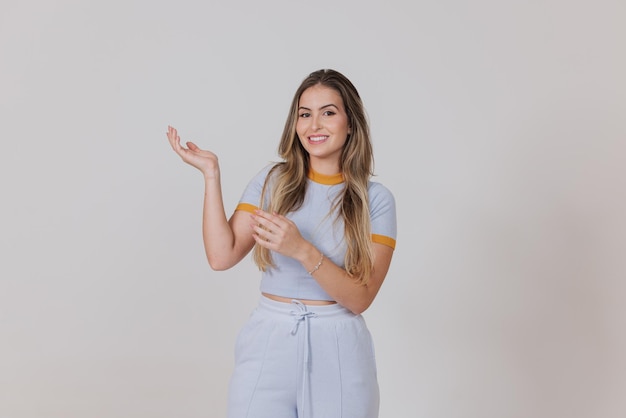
(277, 233)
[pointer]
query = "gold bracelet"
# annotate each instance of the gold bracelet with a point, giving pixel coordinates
(317, 266)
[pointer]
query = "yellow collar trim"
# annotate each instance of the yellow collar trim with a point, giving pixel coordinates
(329, 180)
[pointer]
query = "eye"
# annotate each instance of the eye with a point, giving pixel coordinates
(329, 113)
(304, 115)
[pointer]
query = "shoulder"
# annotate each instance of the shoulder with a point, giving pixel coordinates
(378, 193)
(264, 171)
(261, 175)
(254, 189)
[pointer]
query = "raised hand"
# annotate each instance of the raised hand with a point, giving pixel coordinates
(203, 160)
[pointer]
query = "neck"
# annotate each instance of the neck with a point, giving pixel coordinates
(326, 168)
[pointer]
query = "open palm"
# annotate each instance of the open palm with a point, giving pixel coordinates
(203, 160)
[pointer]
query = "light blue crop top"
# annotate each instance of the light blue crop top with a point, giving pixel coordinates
(289, 278)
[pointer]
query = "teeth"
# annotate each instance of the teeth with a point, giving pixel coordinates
(317, 138)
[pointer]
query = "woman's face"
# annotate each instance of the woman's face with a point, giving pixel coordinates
(322, 127)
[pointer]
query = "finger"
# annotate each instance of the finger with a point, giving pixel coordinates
(197, 150)
(261, 236)
(200, 152)
(171, 132)
(261, 231)
(279, 221)
(263, 222)
(264, 215)
(262, 241)
(174, 139)
(172, 136)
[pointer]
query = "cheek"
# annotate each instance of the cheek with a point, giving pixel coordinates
(342, 125)
(300, 135)
(302, 130)
(343, 128)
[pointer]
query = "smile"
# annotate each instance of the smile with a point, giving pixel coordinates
(318, 138)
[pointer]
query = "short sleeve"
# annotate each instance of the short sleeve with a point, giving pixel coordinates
(251, 196)
(382, 215)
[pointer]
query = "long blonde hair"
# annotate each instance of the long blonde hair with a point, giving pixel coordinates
(289, 177)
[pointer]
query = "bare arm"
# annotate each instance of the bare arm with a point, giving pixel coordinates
(226, 242)
(281, 234)
(346, 290)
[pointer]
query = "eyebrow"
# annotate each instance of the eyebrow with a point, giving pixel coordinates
(323, 107)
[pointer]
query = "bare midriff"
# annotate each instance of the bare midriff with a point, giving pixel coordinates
(305, 301)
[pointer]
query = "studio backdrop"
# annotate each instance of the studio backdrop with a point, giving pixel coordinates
(498, 125)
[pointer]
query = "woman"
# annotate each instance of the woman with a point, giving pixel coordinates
(323, 235)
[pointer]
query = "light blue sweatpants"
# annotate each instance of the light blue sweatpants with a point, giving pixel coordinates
(298, 361)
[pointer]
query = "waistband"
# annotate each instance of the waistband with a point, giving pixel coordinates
(284, 309)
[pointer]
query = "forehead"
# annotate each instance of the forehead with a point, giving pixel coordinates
(320, 95)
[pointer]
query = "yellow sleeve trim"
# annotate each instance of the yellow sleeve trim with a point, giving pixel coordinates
(246, 207)
(382, 239)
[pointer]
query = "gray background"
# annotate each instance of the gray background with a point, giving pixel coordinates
(499, 126)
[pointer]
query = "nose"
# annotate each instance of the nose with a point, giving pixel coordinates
(316, 123)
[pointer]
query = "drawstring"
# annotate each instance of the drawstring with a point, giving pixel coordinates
(302, 315)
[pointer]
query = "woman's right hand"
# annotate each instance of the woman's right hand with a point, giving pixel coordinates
(205, 161)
